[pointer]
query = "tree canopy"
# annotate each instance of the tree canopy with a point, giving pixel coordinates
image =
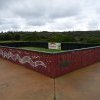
(44, 36)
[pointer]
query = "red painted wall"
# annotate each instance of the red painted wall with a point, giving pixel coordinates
(40, 62)
(52, 65)
(69, 61)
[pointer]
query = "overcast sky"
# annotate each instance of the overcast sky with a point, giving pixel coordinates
(49, 15)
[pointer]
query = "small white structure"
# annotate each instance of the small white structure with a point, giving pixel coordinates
(53, 45)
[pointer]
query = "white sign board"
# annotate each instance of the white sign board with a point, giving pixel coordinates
(53, 45)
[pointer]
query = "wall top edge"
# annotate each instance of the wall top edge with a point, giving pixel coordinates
(60, 52)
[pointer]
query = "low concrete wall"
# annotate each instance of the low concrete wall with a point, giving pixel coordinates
(52, 64)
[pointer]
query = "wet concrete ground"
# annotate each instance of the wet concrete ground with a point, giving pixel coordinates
(19, 83)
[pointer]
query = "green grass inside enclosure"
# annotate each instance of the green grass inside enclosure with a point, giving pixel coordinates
(40, 49)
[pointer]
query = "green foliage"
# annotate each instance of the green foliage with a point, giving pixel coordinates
(93, 40)
(76, 36)
(9, 36)
(61, 38)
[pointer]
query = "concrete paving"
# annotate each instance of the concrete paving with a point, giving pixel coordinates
(83, 84)
(20, 83)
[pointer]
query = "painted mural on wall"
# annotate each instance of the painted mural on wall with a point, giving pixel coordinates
(25, 59)
(64, 64)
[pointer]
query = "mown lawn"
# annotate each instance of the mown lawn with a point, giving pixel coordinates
(40, 49)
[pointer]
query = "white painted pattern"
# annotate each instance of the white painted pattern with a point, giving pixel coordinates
(22, 60)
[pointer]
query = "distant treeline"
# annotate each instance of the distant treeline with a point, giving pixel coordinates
(44, 36)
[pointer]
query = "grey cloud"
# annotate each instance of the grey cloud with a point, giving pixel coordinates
(64, 13)
(54, 9)
(93, 24)
(4, 4)
(36, 22)
(38, 14)
(44, 13)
